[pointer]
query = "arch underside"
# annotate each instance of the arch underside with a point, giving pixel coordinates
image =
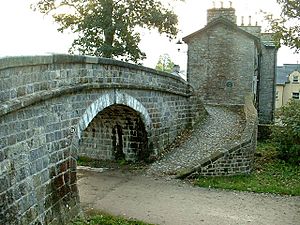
(115, 126)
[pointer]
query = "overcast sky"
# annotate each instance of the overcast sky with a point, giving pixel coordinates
(24, 32)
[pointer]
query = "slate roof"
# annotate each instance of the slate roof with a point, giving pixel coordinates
(284, 71)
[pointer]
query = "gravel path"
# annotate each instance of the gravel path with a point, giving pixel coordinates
(220, 127)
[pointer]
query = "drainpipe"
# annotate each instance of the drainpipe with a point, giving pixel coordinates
(274, 86)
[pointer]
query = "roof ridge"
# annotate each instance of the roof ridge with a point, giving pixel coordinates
(223, 20)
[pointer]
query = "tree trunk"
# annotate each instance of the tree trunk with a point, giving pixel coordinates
(109, 30)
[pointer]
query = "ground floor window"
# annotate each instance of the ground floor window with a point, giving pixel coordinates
(296, 95)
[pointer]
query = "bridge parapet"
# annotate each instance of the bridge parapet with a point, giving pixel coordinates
(25, 80)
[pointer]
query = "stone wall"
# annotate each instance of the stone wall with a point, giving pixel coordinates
(215, 13)
(49, 104)
(226, 61)
(221, 63)
(267, 81)
(238, 156)
(37, 172)
(118, 133)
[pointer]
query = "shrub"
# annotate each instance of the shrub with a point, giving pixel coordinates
(286, 134)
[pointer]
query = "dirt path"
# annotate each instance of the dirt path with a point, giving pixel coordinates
(173, 202)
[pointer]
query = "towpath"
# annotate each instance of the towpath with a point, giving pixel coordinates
(173, 202)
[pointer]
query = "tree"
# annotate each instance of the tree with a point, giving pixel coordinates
(109, 28)
(286, 28)
(165, 63)
(287, 134)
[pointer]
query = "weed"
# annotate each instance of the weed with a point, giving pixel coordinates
(106, 219)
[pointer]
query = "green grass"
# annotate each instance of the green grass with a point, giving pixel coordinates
(119, 164)
(270, 175)
(85, 161)
(105, 219)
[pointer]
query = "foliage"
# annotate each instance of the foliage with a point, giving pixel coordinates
(86, 161)
(165, 63)
(109, 28)
(287, 134)
(286, 28)
(271, 175)
(105, 219)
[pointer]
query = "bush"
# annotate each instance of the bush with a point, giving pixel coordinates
(286, 134)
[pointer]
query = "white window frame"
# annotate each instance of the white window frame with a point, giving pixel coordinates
(295, 95)
(295, 79)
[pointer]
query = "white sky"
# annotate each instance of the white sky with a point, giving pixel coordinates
(24, 32)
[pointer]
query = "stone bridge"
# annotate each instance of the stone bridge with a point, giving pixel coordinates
(54, 108)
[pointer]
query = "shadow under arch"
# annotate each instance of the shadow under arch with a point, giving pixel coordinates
(106, 100)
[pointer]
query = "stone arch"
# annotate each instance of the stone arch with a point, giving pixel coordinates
(116, 133)
(105, 101)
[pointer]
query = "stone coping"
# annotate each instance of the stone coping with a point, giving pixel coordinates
(23, 61)
(6, 107)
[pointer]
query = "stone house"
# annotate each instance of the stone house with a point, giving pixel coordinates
(287, 84)
(227, 61)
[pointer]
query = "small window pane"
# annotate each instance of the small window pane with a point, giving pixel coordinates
(295, 78)
(296, 95)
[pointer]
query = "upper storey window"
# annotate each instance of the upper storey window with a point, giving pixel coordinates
(295, 79)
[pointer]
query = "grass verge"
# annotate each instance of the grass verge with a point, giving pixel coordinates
(106, 219)
(270, 175)
(120, 164)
